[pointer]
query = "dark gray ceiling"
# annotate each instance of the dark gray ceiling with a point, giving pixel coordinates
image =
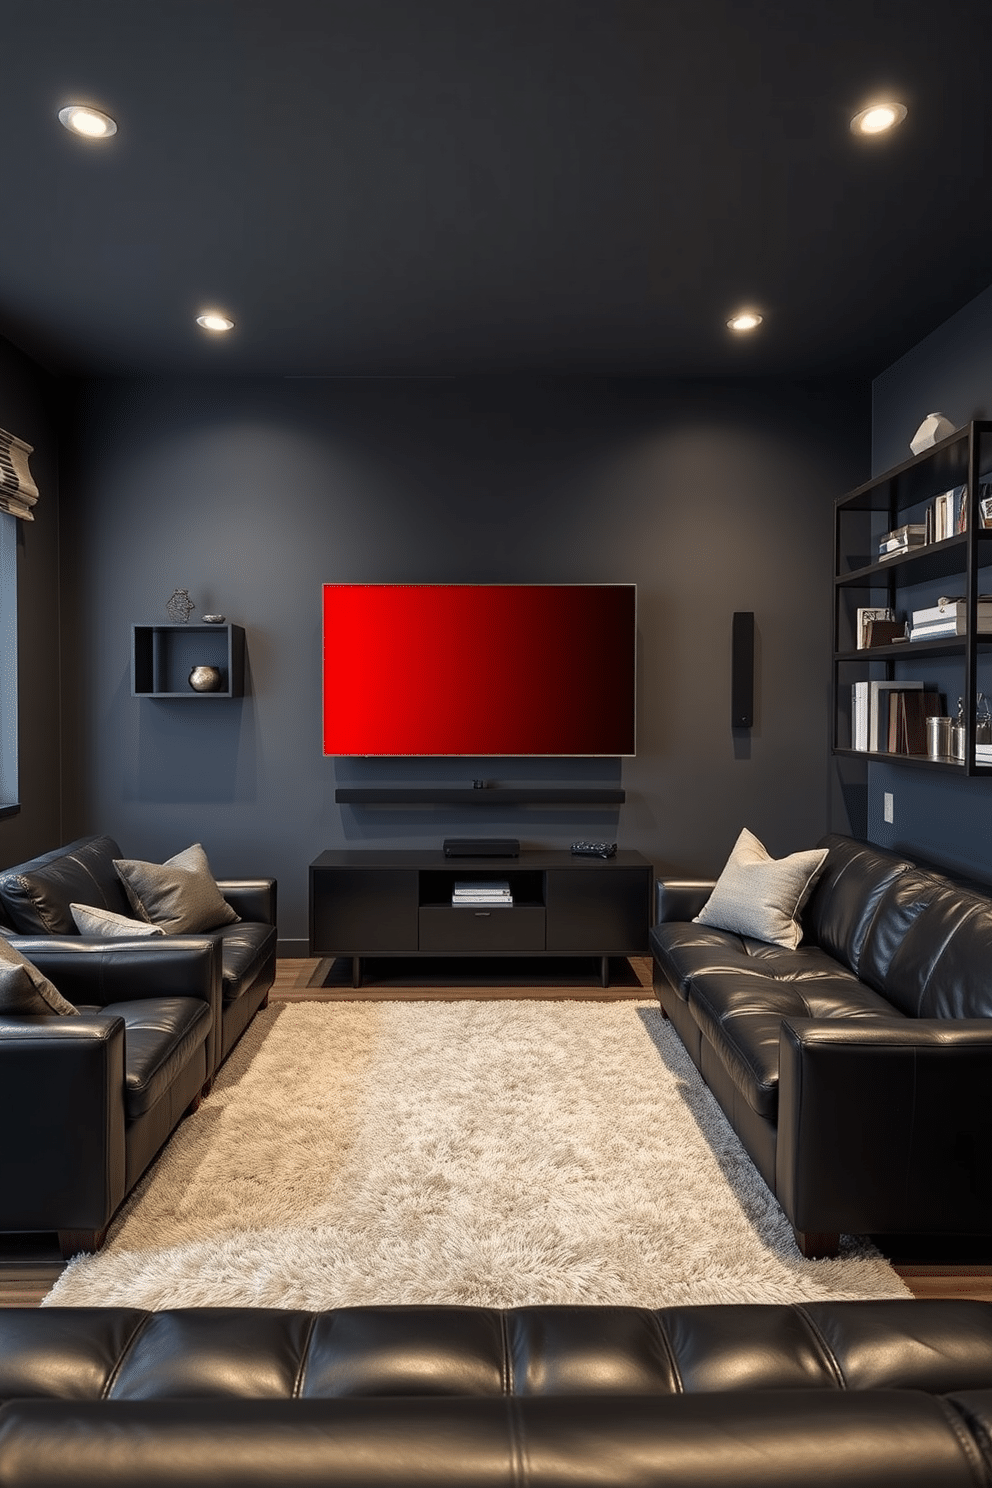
(450, 187)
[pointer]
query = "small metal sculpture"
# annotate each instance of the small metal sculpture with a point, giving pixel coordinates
(180, 607)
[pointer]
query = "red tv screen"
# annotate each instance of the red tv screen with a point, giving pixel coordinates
(479, 669)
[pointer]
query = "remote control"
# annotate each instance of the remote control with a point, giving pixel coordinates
(594, 849)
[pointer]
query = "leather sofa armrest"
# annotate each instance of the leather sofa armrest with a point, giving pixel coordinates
(254, 899)
(93, 969)
(885, 1127)
(62, 1107)
(681, 898)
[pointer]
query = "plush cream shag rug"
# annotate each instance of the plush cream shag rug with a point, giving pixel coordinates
(498, 1153)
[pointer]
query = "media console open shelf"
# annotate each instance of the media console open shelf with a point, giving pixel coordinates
(162, 657)
(489, 795)
(398, 903)
(952, 665)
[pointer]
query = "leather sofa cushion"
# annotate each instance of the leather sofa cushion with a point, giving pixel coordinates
(740, 1014)
(847, 895)
(245, 951)
(161, 1035)
(684, 950)
(126, 1354)
(36, 895)
(942, 966)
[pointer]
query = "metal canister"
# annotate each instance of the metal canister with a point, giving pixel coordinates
(939, 741)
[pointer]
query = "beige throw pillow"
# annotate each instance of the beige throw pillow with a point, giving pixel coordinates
(24, 989)
(760, 896)
(92, 921)
(181, 894)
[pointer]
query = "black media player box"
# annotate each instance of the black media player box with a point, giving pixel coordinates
(481, 847)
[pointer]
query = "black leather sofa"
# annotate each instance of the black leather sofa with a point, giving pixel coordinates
(886, 1394)
(87, 1102)
(856, 1069)
(34, 912)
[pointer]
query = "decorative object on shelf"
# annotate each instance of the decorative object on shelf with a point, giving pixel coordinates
(179, 607)
(959, 733)
(985, 504)
(948, 617)
(983, 720)
(935, 426)
(214, 619)
(884, 633)
(205, 679)
(939, 738)
(18, 492)
(866, 613)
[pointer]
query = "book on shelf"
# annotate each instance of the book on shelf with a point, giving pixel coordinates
(879, 711)
(909, 710)
(983, 754)
(482, 892)
(947, 514)
(859, 715)
(902, 540)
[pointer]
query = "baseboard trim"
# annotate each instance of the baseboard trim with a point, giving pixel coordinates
(292, 950)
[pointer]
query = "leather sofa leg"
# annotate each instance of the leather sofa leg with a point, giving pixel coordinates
(817, 1245)
(71, 1242)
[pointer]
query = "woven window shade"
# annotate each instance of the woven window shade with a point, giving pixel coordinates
(18, 492)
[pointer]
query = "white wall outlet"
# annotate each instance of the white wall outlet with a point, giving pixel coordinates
(888, 811)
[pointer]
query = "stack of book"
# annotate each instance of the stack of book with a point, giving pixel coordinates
(489, 894)
(949, 618)
(983, 754)
(902, 540)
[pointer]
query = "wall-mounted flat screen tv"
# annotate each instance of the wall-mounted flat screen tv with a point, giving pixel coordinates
(479, 669)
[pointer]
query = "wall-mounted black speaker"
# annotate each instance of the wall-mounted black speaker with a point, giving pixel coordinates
(742, 671)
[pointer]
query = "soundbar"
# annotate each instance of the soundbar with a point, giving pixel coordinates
(481, 847)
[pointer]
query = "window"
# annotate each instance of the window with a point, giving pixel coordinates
(8, 664)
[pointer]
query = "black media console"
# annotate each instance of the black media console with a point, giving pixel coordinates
(398, 903)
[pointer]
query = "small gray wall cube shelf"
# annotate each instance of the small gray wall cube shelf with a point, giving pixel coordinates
(162, 657)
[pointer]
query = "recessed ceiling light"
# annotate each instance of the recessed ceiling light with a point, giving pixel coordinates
(89, 122)
(878, 117)
(213, 320)
(745, 320)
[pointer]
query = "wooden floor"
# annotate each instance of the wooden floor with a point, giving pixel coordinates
(29, 1270)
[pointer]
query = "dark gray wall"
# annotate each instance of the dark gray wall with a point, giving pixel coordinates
(29, 408)
(950, 372)
(711, 497)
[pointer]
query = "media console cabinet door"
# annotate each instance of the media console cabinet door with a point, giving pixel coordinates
(359, 911)
(598, 910)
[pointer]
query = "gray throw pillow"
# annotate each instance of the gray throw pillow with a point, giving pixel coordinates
(23, 988)
(181, 894)
(92, 921)
(760, 896)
